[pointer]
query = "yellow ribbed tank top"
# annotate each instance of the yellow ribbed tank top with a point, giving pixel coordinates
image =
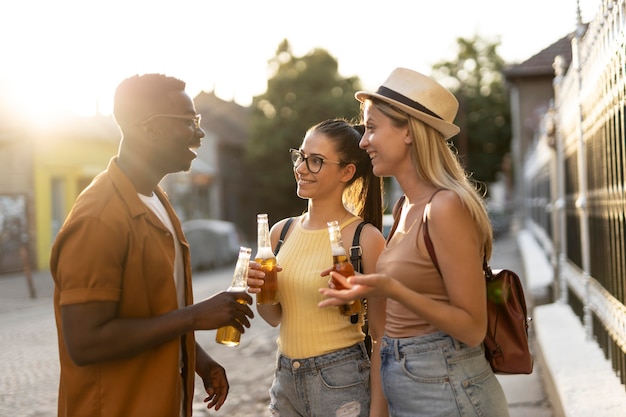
(307, 330)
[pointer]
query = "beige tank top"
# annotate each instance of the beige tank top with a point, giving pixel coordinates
(403, 261)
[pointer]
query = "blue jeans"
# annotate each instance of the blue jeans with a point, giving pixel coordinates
(437, 376)
(334, 384)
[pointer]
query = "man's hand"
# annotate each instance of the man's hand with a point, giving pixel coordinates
(214, 378)
(223, 309)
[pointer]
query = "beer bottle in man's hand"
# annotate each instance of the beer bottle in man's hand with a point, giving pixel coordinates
(229, 335)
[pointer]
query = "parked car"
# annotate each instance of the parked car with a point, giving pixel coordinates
(500, 221)
(213, 243)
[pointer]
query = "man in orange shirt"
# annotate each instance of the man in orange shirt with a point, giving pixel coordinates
(123, 297)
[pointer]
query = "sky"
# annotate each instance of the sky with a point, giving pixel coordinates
(71, 54)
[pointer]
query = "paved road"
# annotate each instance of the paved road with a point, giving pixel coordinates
(29, 369)
(29, 362)
(249, 366)
(525, 394)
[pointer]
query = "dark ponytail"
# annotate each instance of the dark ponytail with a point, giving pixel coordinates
(364, 191)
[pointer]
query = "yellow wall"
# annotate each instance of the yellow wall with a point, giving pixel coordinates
(73, 161)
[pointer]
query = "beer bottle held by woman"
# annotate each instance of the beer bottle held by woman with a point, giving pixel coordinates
(229, 335)
(342, 265)
(266, 258)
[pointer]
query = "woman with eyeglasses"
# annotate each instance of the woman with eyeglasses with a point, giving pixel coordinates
(322, 365)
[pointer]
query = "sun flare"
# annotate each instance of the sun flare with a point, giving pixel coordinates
(69, 55)
(44, 101)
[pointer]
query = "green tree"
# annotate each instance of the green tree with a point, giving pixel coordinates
(301, 92)
(475, 78)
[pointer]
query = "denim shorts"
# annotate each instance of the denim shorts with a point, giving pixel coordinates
(334, 384)
(437, 376)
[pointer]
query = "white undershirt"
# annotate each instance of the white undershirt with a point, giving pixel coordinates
(158, 208)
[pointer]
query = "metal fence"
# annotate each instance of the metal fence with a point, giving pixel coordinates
(574, 181)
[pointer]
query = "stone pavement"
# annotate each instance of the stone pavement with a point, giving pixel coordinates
(29, 368)
(250, 366)
(29, 362)
(250, 370)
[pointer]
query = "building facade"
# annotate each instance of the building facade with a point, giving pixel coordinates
(43, 170)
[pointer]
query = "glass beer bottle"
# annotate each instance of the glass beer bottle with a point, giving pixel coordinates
(342, 265)
(229, 335)
(266, 258)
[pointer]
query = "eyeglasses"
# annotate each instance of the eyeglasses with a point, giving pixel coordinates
(313, 163)
(194, 120)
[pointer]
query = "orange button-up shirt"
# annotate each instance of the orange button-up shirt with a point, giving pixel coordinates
(112, 247)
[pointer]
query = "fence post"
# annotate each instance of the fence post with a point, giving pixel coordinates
(560, 236)
(582, 201)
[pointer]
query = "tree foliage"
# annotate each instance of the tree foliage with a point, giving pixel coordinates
(475, 78)
(302, 92)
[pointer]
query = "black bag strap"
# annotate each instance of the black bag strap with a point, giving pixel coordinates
(283, 233)
(355, 250)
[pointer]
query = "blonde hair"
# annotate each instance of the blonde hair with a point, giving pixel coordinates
(436, 162)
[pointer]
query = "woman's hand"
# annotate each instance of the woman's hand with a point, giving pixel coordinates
(255, 277)
(342, 281)
(358, 287)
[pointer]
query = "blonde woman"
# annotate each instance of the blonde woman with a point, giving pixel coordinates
(432, 358)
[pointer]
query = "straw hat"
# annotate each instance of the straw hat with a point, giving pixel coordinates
(419, 96)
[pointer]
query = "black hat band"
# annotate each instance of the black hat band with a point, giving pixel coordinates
(389, 93)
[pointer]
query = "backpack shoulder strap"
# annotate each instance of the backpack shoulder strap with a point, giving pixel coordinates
(355, 250)
(283, 233)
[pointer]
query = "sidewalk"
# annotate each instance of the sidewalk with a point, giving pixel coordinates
(579, 380)
(526, 394)
(251, 365)
(15, 295)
